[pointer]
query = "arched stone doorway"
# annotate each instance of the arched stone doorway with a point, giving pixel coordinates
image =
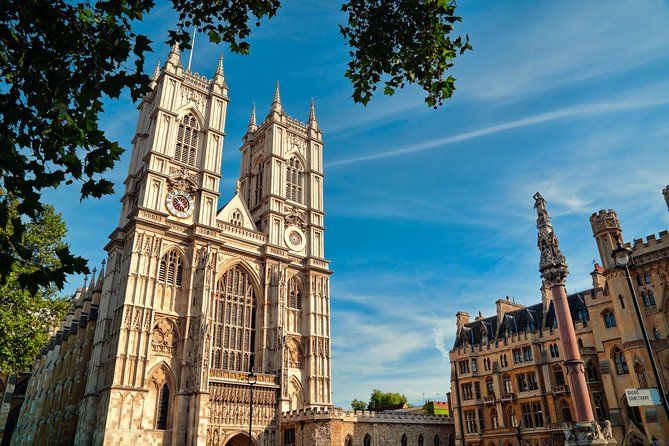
(240, 440)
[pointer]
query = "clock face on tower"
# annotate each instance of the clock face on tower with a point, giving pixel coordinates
(294, 238)
(180, 203)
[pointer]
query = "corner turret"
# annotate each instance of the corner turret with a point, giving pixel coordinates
(606, 230)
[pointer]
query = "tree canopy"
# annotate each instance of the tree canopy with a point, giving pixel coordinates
(25, 317)
(61, 59)
(379, 398)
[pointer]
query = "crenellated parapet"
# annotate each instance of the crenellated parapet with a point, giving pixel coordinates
(363, 416)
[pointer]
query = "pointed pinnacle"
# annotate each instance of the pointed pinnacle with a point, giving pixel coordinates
(252, 120)
(174, 58)
(219, 70)
(276, 104)
(156, 71)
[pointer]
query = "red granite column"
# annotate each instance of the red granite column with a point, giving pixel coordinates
(554, 271)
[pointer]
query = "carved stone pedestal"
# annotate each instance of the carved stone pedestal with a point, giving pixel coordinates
(588, 433)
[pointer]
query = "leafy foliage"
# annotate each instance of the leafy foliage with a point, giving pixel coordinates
(402, 41)
(25, 317)
(379, 398)
(357, 404)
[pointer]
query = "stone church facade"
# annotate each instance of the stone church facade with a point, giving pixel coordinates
(158, 348)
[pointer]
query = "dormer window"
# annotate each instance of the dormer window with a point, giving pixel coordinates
(186, 147)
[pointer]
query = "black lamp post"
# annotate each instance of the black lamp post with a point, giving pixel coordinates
(622, 255)
(252, 379)
(519, 433)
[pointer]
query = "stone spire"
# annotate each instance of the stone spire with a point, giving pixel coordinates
(91, 286)
(665, 192)
(552, 264)
(156, 73)
(174, 59)
(252, 121)
(98, 285)
(312, 116)
(276, 103)
(219, 77)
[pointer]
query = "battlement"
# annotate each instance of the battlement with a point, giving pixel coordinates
(604, 220)
(362, 416)
(651, 246)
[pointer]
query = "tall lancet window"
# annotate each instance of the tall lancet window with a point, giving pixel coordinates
(294, 180)
(186, 147)
(259, 181)
(234, 321)
(163, 406)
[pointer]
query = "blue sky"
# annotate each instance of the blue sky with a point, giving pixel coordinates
(429, 212)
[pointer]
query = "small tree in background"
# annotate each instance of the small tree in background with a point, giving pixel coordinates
(26, 318)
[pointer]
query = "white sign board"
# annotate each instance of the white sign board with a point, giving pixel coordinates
(643, 397)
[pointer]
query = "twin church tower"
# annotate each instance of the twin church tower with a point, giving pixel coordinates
(195, 296)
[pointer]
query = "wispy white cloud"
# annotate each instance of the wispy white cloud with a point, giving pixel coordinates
(642, 98)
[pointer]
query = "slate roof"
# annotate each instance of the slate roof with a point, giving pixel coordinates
(519, 320)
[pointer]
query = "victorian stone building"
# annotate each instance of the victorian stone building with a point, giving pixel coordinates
(508, 379)
(201, 310)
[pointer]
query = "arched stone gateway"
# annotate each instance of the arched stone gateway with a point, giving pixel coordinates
(240, 440)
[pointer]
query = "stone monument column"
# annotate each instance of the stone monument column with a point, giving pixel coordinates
(554, 271)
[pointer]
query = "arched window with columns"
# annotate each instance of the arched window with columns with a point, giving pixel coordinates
(234, 321)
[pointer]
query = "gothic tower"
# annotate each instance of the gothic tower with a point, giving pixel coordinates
(281, 180)
(193, 299)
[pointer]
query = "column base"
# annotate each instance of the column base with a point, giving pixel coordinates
(588, 433)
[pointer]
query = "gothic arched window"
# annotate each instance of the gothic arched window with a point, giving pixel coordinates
(609, 318)
(294, 295)
(622, 300)
(234, 321)
(294, 180)
(508, 387)
(404, 441)
(591, 372)
(494, 421)
(651, 298)
(348, 441)
(583, 316)
(367, 441)
(186, 147)
(437, 441)
(170, 270)
(420, 440)
(646, 277)
(259, 182)
(163, 407)
(619, 361)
